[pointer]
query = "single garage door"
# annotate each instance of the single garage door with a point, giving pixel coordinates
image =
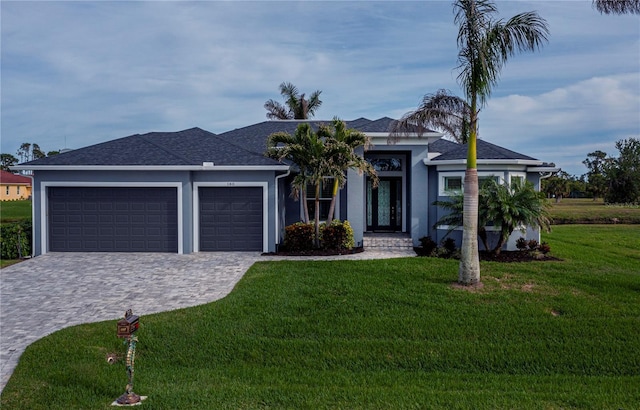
(112, 219)
(230, 218)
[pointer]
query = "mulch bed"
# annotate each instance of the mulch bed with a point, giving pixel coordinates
(504, 256)
(516, 256)
(318, 252)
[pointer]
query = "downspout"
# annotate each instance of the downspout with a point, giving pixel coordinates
(277, 206)
(33, 215)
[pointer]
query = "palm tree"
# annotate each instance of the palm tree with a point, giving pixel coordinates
(313, 158)
(296, 106)
(441, 111)
(484, 46)
(503, 206)
(341, 144)
(510, 207)
(617, 6)
(295, 149)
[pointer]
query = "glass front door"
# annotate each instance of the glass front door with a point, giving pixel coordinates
(384, 205)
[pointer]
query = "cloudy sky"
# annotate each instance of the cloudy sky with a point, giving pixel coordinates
(75, 73)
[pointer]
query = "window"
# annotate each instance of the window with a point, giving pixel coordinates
(7, 189)
(517, 179)
(484, 179)
(452, 184)
(326, 191)
(386, 164)
(18, 190)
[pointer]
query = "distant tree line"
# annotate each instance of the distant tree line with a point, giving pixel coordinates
(616, 179)
(27, 152)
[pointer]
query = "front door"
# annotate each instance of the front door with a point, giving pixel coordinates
(384, 205)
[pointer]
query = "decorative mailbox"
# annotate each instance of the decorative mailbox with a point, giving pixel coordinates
(128, 325)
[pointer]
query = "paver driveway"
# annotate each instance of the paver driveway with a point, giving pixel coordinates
(57, 290)
(53, 291)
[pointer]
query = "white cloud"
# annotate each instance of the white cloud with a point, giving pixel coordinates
(92, 71)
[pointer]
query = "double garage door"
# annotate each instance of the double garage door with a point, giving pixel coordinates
(134, 219)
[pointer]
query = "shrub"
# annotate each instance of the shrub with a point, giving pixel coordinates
(544, 248)
(338, 235)
(15, 240)
(299, 236)
(448, 249)
(533, 244)
(521, 244)
(428, 246)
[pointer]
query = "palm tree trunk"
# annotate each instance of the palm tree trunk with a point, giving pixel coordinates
(332, 207)
(317, 217)
(305, 206)
(469, 271)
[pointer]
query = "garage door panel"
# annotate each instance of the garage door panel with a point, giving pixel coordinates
(231, 219)
(87, 219)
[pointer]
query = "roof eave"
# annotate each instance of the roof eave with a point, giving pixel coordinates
(151, 167)
(383, 138)
(529, 162)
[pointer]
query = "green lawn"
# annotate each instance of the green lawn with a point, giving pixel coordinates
(585, 210)
(388, 334)
(15, 210)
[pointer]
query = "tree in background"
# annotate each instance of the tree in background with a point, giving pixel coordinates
(7, 161)
(296, 107)
(596, 181)
(29, 152)
(617, 6)
(557, 186)
(484, 46)
(623, 173)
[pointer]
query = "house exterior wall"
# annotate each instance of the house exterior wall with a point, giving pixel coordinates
(505, 173)
(185, 182)
(14, 192)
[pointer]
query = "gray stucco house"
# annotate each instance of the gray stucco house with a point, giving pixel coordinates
(195, 191)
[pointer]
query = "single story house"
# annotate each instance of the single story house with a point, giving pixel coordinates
(14, 187)
(195, 191)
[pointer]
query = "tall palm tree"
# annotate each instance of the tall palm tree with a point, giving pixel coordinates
(617, 6)
(484, 46)
(296, 107)
(441, 111)
(341, 144)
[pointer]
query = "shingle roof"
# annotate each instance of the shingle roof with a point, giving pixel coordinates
(188, 147)
(254, 137)
(485, 150)
(240, 147)
(443, 145)
(10, 178)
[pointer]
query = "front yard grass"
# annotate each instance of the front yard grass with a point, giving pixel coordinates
(386, 334)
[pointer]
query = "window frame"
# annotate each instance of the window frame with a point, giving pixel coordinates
(311, 198)
(442, 191)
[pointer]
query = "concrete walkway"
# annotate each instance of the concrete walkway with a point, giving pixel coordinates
(42, 295)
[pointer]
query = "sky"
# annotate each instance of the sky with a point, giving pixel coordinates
(77, 73)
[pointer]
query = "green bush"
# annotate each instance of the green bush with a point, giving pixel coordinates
(15, 240)
(298, 237)
(428, 246)
(338, 235)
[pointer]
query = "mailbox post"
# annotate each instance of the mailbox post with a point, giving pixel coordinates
(126, 329)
